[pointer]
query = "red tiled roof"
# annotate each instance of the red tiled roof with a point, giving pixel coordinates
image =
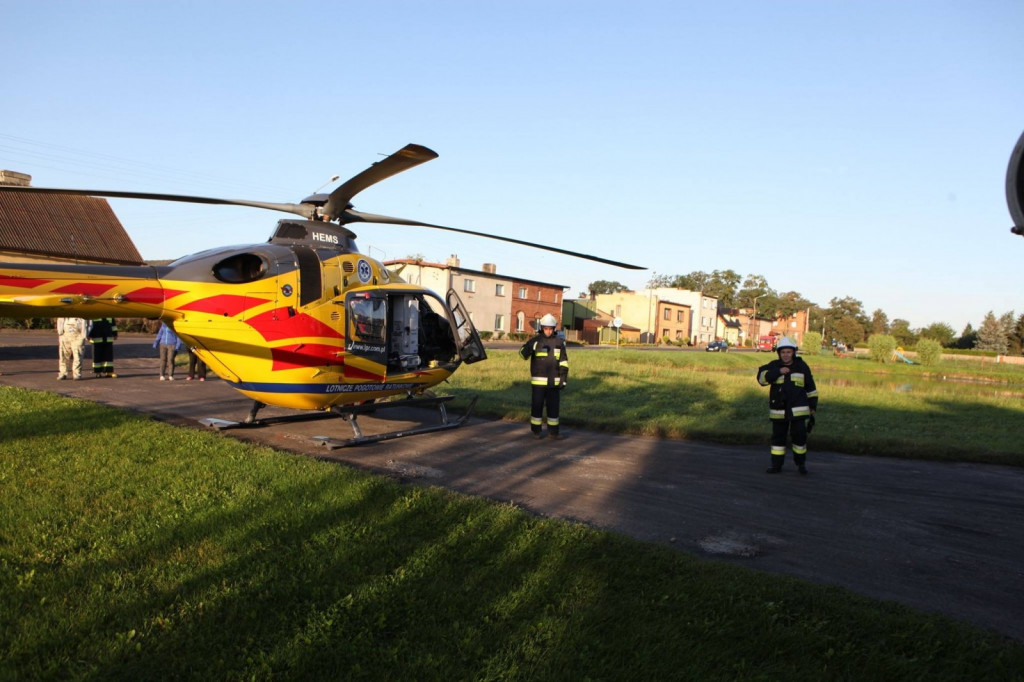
(64, 226)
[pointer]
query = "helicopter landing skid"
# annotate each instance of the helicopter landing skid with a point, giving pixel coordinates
(350, 413)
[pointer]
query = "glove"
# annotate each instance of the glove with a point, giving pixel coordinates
(810, 423)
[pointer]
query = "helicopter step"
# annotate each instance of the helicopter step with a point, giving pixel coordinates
(350, 413)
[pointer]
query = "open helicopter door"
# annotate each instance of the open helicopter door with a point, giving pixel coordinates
(471, 348)
(367, 326)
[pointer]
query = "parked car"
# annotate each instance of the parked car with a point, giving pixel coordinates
(717, 347)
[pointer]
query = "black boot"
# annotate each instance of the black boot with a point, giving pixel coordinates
(801, 463)
(776, 466)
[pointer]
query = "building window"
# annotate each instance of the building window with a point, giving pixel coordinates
(556, 297)
(499, 289)
(667, 314)
(538, 295)
(499, 323)
(469, 285)
(522, 293)
(679, 316)
(520, 322)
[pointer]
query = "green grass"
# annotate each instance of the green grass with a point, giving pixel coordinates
(865, 407)
(133, 550)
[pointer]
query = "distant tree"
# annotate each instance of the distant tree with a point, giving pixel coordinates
(847, 307)
(818, 322)
(722, 285)
(603, 286)
(881, 347)
(660, 281)
(968, 338)
(879, 322)
(811, 343)
(754, 286)
(1016, 340)
(695, 281)
(1007, 322)
(991, 334)
(938, 331)
(790, 303)
(849, 330)
(900, 330)
(929, 351)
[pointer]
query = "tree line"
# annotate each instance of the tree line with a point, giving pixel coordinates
(844, 319)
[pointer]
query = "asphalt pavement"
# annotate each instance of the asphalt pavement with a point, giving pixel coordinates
(939, 537)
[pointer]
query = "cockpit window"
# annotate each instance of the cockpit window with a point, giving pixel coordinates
(241, 268)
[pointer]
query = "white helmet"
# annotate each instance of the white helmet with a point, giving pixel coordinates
(786, 342)
(548, 321)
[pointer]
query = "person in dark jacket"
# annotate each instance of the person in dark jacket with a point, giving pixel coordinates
(792, 402)
(102, 334)
(549, 373)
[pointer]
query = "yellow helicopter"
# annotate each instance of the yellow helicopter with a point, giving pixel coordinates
(303, 321)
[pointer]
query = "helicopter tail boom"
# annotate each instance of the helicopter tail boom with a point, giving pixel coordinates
(47, 290)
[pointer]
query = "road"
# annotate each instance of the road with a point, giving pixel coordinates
(939, 537)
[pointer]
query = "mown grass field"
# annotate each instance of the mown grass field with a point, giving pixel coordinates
(963, 411)
(133, 550)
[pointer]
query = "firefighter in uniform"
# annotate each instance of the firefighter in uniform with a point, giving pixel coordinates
(792, 402)
(71, 333)
(102, 335)
(549, 372)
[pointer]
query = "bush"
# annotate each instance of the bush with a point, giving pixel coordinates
(929, 351)
(811, 344)
(881, 347)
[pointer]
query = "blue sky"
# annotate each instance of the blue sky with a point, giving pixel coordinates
(836, 148)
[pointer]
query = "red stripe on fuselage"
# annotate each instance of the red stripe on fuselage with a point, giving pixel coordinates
(279, 325)
(22, 282)
(152, 295)
(225, 304)
(84, 289)
(361, 374)
(306, 355)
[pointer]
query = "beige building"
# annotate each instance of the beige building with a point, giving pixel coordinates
(673, 314)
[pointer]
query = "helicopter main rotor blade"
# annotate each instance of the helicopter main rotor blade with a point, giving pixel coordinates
(352, 216)
(304, 210)
(1015, 187)
(407, 157)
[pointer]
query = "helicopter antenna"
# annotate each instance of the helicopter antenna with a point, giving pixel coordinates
(333, 179)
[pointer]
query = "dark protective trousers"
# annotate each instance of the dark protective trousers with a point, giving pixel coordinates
(789, 429)
(103, 358)
(544, 397)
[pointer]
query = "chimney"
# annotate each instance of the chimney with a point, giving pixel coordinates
(17, 179)
(490, 268)
(453, 261)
